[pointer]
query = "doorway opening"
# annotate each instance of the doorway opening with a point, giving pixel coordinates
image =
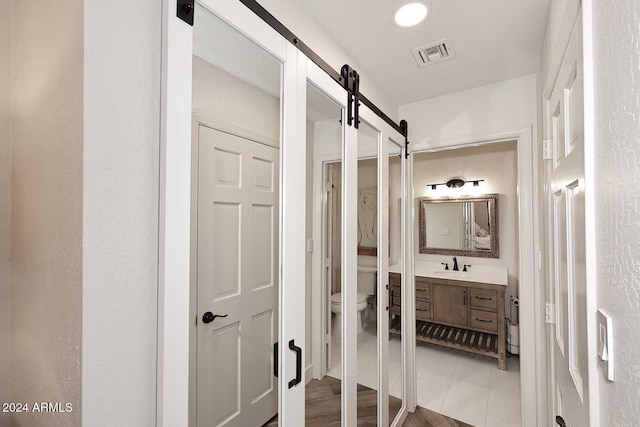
(466, 322)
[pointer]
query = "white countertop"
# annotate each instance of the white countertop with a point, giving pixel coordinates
(477, 273)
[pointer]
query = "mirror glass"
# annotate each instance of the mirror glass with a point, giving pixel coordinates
(396, 199)
(459, 226)
(324, 135)
(370, 308)
(237, 117)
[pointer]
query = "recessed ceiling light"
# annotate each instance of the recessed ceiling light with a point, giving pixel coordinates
(411, 14)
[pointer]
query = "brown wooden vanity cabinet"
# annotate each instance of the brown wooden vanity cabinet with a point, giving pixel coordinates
(467, 316)
(450, 305)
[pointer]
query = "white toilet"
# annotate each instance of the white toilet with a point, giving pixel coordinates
(366, 287)
(336, 308)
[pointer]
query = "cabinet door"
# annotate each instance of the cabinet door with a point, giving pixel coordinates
(450, 304)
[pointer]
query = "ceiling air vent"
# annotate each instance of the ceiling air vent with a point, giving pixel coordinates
(434, 53)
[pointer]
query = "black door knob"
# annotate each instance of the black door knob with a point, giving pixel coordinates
(209, 317)
(560, 421)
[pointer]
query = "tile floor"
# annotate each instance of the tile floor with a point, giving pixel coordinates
(460, 385)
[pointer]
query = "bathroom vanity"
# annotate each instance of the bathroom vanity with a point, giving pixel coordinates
(456, 309)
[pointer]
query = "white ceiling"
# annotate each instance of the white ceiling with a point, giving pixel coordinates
(494, 40)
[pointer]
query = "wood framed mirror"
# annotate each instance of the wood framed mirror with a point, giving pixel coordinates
(466, 226)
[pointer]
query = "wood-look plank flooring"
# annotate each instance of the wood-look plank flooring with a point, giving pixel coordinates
(322, 408)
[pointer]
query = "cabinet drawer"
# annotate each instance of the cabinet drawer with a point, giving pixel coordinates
(485, 320)
(423, 310)
(423, 290)
(484, 298)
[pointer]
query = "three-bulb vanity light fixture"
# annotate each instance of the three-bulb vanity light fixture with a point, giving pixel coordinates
(456, 183)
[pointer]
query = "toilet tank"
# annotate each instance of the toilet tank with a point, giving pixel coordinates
(367, 280)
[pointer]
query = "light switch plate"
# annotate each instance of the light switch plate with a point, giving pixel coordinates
(605, 342)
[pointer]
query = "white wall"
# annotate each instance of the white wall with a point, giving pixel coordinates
(47, 190)
(5, 203)
(617, 98)
(439, 122)
(316, 37)
(225, 98)
(497, 164)
(120, 233)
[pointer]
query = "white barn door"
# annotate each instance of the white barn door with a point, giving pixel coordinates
(564, 120)
(245, 194)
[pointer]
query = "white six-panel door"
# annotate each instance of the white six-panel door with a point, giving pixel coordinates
(237, 278)
(564, 121)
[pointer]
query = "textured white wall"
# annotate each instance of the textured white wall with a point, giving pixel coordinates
(436, 122)
(46, 291)
(5, 202)
(617, 98)
(497, 164)
(120, 235)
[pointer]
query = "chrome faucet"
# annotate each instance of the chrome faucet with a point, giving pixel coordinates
(455, 264)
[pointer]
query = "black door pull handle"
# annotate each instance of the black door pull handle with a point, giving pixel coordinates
(209, 317)
(275, 359)
(298, 379)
